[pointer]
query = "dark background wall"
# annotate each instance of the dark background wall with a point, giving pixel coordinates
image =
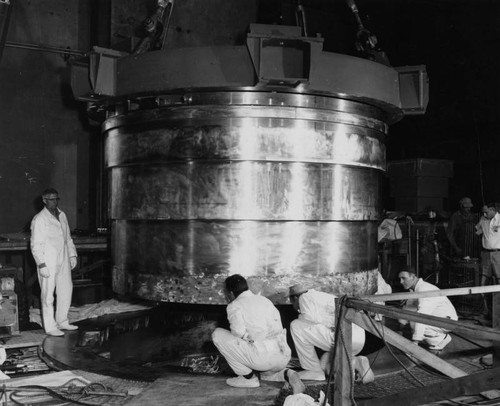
(42, 140)
(46, 140)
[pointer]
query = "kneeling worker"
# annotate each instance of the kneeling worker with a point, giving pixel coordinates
(257, 340)
(315, 328)
(436, 338)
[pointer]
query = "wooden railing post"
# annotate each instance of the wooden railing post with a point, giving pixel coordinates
(343, 354)
(495, 323)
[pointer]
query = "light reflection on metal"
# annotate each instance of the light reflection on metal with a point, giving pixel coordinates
(245, 198)
(293, 243)
(338, 194)
(248, 135)
(245, 253)
(296, 196)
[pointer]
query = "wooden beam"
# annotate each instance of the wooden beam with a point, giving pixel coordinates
(469, 385)
(471, 331)
(495, 313)
(403, 344)
(343, 354)
(432, 293)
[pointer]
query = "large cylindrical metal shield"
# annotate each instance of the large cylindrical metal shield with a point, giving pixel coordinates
(279, 187)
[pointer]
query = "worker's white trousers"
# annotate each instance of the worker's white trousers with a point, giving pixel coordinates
(243, 357)
(433, 336)
(490, 267)
(61, 283)
(307, 335)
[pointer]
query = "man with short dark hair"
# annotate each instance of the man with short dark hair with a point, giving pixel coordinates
(55, 256)
(436, 338)
(257, 340)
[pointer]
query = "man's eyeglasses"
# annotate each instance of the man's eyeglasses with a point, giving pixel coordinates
(56, 199)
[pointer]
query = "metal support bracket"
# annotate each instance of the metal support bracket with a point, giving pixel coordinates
(280, 55)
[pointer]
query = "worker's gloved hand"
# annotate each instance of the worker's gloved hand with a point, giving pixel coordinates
(44, 272)
(73, 262)
(3, 355)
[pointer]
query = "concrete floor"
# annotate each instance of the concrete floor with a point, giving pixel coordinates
(171, 387)
(175, 388)
(195, 390)
(192, 390)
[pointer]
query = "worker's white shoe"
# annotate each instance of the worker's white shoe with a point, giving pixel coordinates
(362, 367)
(67, 326)
(442, 344)
(55, 333)
(242, 382)
(312, 375)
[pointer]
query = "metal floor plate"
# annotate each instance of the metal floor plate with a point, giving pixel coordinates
(384, 385)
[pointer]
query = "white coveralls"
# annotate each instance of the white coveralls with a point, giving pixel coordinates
(51, 243)
(490, 255)
(315, 328)
(257, 340)
(435, 306)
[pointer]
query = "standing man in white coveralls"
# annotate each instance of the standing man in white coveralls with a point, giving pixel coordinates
(55, 256)
(315, 328)
(257, 340)
(435, 338)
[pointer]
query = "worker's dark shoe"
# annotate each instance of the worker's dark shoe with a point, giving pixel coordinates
(363, 370)
(441, 345)
(295, 382)
(67, 327)
(242, 382)
(55, 333)
(437, 353)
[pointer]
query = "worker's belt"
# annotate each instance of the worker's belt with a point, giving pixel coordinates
(492, 250)
(274, 343)
(280, 334)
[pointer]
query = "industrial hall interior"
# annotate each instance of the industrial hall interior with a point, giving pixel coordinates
(249, 202)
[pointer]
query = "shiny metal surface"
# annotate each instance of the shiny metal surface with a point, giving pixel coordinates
(279, 188)
(187, 261)
(270, 139)
(244, 190)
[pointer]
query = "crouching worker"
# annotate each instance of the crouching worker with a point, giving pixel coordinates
(315, 328)
(435, 338)
(257, 340)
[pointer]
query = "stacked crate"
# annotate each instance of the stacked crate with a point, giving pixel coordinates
(9, 316)
(416, 184)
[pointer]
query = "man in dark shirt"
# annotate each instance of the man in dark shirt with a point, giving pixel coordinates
(461, 230)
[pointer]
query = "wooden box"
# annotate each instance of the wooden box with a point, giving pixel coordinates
(9, 316)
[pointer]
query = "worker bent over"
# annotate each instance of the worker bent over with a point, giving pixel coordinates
(257, 340)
